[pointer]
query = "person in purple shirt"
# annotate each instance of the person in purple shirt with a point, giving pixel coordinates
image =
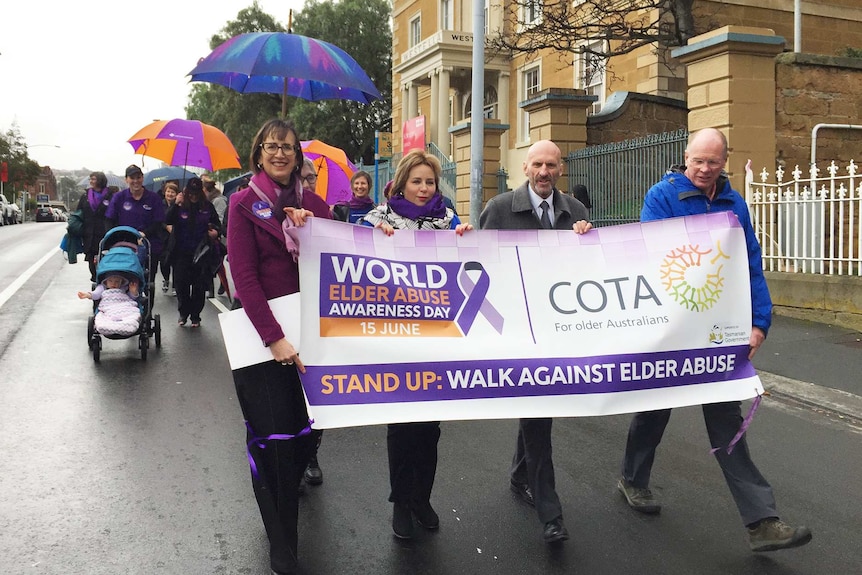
(139, 208)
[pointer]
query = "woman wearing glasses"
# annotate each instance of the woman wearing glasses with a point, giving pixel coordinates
(270, 393)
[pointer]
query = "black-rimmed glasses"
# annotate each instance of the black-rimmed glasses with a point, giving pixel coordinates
(287, 149)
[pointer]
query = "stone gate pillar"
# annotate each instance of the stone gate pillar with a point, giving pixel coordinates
(731, 86)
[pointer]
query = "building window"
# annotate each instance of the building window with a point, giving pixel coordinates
(487, 14)
(447, 15)
(530, 86)
(415, 30)
(590, 74)
(489, 104)
(531, 11)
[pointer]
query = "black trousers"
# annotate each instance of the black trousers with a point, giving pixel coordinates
(412, 460)
(191, 288)
(533, 464)
(270, 395)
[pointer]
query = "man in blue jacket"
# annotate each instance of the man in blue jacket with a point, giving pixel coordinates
(700, 187)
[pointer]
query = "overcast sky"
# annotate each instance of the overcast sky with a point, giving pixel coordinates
(87, 75)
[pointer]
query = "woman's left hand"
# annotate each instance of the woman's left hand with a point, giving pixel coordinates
(298, 215)
(213, 234)
(461, 228)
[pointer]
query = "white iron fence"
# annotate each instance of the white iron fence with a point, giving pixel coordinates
(809, 225)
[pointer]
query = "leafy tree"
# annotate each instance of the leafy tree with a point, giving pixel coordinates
(67, 190)
(569, 26)
(13, 150)
(362, 29)
(237, 115)
(357, 26)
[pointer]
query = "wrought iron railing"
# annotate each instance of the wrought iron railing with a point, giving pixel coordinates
(618, 175)
(808, 224)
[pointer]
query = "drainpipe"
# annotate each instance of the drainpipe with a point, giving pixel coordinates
(797, 26)
(830, 126)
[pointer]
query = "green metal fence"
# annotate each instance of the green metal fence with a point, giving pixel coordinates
(617, 175)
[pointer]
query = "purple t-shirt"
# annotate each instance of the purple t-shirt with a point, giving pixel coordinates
(139, 214)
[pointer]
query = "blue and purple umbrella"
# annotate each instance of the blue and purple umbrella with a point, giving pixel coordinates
(286, 64)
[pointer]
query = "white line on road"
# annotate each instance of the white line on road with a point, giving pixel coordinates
(219, 305)
(7, 293)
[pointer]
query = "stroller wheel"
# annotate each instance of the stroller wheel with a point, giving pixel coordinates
(91, 328)
(157, 320)
(97, 348)
(144, 345)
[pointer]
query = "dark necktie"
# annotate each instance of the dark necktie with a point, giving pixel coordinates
(545, 219)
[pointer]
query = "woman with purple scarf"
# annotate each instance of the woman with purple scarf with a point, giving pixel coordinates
(414, 204)
(270, 393)
(360, 203)
(93, 204)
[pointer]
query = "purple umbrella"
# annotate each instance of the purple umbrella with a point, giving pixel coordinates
(286, 64)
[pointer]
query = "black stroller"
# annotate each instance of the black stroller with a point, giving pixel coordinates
(125, 252)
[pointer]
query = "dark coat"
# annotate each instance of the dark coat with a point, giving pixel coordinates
(95, 223)
(514, 211)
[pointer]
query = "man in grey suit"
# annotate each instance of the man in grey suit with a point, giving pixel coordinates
(537, 204)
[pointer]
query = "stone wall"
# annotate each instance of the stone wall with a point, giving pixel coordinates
(628, 115)
(812, 89)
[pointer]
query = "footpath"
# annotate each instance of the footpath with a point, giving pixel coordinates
(814, 364)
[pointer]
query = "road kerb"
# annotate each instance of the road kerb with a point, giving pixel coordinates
(834, 400)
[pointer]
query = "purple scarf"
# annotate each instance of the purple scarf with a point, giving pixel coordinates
(94, 198)
(363, 203)
(435, 208)
(280, 197)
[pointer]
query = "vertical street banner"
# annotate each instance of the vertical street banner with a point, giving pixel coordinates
(532, 323)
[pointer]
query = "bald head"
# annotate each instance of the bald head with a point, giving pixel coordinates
(705, 157)
(543, 167)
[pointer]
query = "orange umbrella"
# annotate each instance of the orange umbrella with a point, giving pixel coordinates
(186, 143)
(333, 168)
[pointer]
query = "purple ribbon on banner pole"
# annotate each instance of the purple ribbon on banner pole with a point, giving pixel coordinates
(260, 442)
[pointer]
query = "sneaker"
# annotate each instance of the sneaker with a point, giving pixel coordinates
(402, 521)
(313, 473)
(639, 499)
(773, 534)
(426, 516)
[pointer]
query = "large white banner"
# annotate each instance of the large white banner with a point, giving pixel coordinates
(507, 324)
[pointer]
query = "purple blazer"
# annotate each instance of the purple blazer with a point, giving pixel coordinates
(261, 267)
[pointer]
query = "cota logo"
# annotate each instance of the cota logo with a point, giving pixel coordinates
(692, 276)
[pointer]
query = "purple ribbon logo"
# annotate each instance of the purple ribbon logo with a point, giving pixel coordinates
(475, 301)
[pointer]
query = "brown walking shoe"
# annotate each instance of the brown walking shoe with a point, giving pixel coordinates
(773, 534)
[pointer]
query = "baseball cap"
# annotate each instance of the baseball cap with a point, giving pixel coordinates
(134, 170)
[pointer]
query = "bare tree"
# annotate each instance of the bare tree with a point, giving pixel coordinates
(598, 29)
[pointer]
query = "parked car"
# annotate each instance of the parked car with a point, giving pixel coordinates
(44, 214)
(9, 212)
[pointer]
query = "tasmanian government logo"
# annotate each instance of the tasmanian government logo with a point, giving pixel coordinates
(692, 276)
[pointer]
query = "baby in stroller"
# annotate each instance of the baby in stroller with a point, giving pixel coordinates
(119, 297)
(117, 312)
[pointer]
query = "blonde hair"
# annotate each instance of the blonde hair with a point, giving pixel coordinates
(411, 160)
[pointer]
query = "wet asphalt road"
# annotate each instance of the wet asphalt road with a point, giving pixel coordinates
(139, 467)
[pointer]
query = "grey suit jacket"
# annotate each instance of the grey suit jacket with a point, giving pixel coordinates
(514, 211)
